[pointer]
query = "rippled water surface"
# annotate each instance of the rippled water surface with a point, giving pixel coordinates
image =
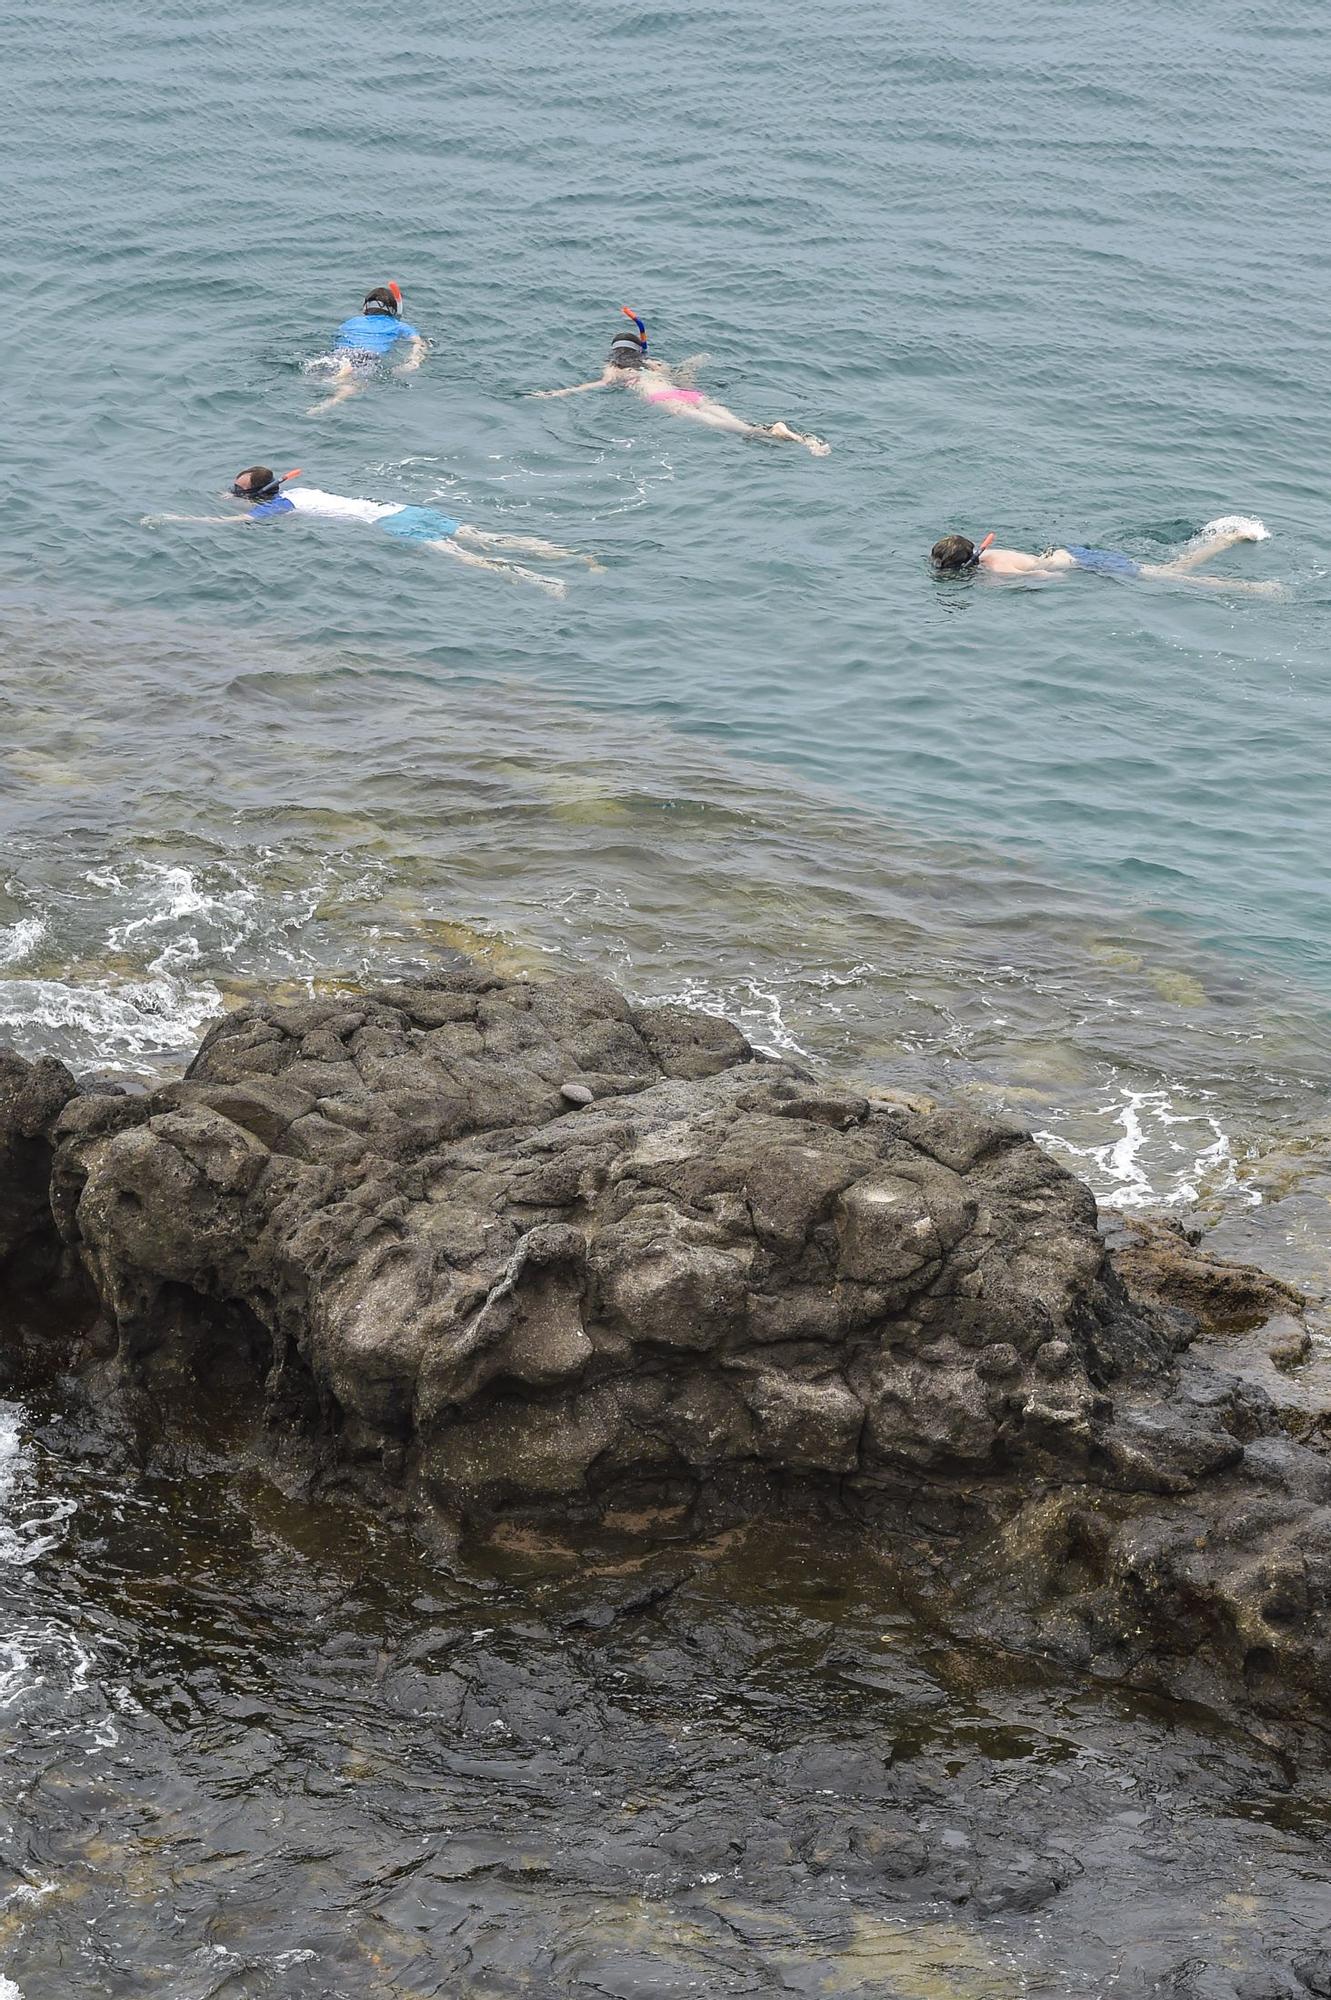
(278, 1753)
(1054, 271)
(1051, 274)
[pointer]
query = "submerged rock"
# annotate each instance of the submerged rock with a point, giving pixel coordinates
(506, 1248)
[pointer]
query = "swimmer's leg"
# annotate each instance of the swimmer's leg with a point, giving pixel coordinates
(347, 382)
(530, 545)
(715, 415)
(1193, 558)
(449, 547)
(722, 419)
(718, 418)
(788, 436)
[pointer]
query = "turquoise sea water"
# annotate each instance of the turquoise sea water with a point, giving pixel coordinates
(1057, 273)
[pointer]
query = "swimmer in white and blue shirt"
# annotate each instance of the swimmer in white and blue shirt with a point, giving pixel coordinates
(262, 489)
(363, 341)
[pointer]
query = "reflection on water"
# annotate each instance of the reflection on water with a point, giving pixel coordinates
(259, 1747)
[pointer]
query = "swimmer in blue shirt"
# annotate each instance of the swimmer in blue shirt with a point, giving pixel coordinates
(363, 341)
(261, 488)
(957, 555)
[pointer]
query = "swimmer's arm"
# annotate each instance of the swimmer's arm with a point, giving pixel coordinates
(578, 389)
(414, 355)
(197, 520)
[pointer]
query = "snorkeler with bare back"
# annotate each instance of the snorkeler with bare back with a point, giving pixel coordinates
(957, 555)
(628, 367)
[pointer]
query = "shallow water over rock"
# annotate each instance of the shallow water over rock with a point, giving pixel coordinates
(261, 1747)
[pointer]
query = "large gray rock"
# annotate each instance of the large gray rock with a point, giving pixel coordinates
(507, 1246)
(32, 1096)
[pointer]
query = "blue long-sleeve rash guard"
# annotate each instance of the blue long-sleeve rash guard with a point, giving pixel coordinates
(371, 333)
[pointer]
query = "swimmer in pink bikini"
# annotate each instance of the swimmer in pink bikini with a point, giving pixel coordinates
(627, 367)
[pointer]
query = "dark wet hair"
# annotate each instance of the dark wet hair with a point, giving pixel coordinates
(381, 300)
(954, 552)
(626, 351)
(261, 482)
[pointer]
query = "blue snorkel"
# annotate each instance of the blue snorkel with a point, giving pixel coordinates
(629, 313)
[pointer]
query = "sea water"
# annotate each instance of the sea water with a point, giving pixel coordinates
(1050, 274)
(1056, 272)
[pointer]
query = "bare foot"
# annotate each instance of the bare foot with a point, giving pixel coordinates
(788, 436)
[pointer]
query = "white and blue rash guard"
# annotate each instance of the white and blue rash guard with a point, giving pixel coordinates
(329, 506)
(410, 524)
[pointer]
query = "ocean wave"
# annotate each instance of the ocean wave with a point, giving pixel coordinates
(19, 940)
(1157, 1157)
(107, 1023)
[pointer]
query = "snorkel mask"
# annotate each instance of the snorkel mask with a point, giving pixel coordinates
(372, 303)
(625, 344)
(267, 490)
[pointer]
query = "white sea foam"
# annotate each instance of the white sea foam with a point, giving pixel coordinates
(1158, 1158)
(48, 1674)
(167, 919)
(8, 1990)
(179, 896)
(1246, 525)
(753, 1005)
(18, 940)
(30, 1522)
(111, 1021)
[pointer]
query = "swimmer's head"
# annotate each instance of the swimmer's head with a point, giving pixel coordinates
(260, 482)
(256, 482)
(956, 553)
(626, 351)
(384, 299)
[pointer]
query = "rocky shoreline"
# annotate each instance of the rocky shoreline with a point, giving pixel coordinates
(498, 1250)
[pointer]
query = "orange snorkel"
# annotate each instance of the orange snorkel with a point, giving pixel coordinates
(629, 313)
(396, 290)
(980, 548)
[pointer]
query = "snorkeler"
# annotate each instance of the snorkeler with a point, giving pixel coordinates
(956, 555)
(627, 367)
(361, 342)
(262, 488)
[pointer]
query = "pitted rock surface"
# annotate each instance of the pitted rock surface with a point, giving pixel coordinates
(517, 1246)
(697, 1261)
